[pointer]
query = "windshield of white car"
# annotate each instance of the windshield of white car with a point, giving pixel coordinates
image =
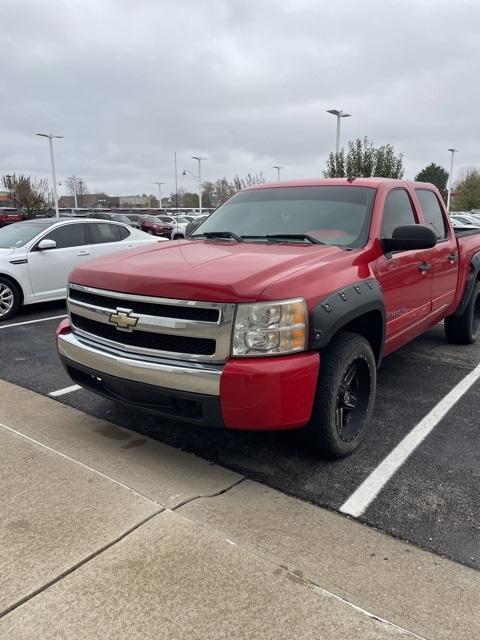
(334, 215)
(19, 233)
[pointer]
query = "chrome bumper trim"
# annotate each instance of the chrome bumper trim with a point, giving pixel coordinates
(191, 377)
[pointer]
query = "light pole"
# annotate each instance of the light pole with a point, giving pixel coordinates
(159, 194)
(278, 168)
(80, 182)
(453, 152)
(50, 137)
(199, 178)
(339, 115)
(74, 180)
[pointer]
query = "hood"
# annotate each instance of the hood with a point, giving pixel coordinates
(6, 252)
(210, 270)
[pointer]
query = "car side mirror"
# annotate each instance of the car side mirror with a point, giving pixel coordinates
(410, 236)
(43, 245)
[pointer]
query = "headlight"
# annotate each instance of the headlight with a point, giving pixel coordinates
(269, 328)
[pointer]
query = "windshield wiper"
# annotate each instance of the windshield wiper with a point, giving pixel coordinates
(294, 236)
(218, 234)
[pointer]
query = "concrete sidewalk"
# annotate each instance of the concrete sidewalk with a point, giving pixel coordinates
(106, 534)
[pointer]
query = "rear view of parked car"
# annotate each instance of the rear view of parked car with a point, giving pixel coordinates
(36, 256)
(155, 226)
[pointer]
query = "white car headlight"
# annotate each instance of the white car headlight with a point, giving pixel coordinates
(270, 328)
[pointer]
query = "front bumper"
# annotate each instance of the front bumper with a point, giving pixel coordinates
(250, 394)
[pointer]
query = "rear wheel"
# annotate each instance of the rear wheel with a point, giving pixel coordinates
(345, 396)
(9, 299)
(465, 329)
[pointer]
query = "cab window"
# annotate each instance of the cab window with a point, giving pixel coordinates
(432, 212)
(398, 211)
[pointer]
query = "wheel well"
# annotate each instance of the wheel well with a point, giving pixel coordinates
(14, 282)
(371, 326)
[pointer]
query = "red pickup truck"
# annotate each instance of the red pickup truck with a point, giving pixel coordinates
(278, 310)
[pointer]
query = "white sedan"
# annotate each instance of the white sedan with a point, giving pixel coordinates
(36, 256)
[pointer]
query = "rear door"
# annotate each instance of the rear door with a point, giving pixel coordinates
(444, 257)
(404, 276)
(49, 269)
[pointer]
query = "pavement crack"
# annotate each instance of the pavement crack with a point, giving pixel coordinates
(78, 564)
(210, 495)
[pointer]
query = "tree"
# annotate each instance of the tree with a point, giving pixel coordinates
(363, 160)
(153, 202)
(248, 181)
(73, 182)
(435, 174)
(190, 200)
(30, 195)
(467, 190)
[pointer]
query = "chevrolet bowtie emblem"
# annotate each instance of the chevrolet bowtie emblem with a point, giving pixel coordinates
(123, 319)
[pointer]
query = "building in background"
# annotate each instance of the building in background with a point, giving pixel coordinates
(89, 201)
(134, 201)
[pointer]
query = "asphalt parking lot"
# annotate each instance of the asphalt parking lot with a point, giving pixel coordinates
(432, 500)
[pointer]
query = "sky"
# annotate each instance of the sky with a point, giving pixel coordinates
(244, 83)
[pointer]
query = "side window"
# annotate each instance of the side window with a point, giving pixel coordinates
(397, 212)
(68, 235)
(103, 232)
(432, 212)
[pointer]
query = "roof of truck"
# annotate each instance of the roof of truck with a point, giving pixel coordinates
(335, 182)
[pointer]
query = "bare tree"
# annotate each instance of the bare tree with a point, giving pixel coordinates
(30, 195)
(80, 184)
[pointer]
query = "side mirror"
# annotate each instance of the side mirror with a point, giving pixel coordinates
(43, 245)
(410, 236)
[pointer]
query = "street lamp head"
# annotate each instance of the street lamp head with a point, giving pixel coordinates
(453, 150)
(338, 113)
(184, 172)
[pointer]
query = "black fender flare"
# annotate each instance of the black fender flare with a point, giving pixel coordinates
(341, 307)
(469, 285)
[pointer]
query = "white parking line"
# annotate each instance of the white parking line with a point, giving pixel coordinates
(18, 324)
(361, 498)
(62, 392)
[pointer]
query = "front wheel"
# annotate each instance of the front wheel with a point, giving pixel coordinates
(345, 396)
(9, 299)
(464, 329)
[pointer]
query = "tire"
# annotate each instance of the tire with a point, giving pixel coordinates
(345, 397)
(9, 298)
(465, 329)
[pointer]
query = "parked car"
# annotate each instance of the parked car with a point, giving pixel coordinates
(36, 256)
(278, 310)
(466, 218)
(115, 217)
(179, 228)
(155, 226)
(9, 215)
(191, 226)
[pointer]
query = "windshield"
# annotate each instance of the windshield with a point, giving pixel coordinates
(182, 220)
(19, 233)
(332, 215)
(121, 217)
(150, 218)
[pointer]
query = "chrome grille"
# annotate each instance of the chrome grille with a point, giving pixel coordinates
(156, 327)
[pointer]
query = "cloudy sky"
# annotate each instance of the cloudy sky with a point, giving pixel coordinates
(245, 83)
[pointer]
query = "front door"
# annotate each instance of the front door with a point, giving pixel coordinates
(49, 269)
(405, 277)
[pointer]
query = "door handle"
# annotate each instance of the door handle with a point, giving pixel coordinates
(425, 267)
(83, 253)
(453, 257)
